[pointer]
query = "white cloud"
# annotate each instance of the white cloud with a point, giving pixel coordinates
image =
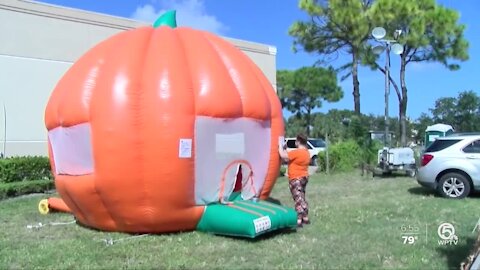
(191, 13)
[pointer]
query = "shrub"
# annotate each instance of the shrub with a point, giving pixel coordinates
(343, 156)
(17, 169)
(25, 187)
(370, 152)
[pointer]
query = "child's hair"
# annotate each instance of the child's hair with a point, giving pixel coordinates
(302, 139)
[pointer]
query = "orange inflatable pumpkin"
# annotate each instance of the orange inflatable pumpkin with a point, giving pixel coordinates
(149, 127)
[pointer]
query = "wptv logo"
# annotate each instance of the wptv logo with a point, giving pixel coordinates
(446, 232)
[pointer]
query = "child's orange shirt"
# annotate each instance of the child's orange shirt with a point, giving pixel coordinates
(298, 161)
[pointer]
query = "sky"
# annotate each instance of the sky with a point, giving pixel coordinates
(268, 21)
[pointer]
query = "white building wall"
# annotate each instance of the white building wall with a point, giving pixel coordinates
(39, 43)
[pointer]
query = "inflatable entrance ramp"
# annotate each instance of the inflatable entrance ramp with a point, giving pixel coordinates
(246, 218)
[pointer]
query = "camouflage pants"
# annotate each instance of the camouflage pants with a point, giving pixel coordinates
(297, 188)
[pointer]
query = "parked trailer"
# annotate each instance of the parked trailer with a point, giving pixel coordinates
(397, 159)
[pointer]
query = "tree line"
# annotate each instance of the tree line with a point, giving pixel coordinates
(461, 112)
(429, 33)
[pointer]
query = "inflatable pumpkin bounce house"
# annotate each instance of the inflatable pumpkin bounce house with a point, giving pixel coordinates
(164, 129)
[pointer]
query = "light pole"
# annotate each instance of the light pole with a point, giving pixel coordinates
(379, 34)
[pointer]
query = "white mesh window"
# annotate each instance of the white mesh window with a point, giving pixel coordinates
(72, 149)
(221, 142)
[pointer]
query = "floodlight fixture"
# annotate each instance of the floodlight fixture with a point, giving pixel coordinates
(397, 48)
(378, 49)
(379, 32)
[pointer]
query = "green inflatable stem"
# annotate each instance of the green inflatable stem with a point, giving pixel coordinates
(167, 19)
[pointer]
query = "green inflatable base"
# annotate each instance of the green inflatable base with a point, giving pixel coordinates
(246, 218)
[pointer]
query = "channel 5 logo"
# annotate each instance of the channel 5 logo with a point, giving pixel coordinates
(446, 232)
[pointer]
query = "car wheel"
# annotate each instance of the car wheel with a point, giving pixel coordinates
(314, 161)
(454, 185)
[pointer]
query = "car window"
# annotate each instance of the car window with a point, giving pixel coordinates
(474, 147)
(317, 143)
(439, 145)
(291, 144)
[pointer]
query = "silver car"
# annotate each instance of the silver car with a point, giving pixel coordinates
(315, 146)
(451, 165)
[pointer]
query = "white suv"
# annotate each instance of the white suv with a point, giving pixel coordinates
(451, 165)
(315, 146)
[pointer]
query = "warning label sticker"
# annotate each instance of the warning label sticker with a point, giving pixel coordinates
(262, 224)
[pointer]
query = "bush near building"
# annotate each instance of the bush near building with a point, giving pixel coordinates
(24, 175)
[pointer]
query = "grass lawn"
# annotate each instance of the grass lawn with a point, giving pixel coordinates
(356, 223)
